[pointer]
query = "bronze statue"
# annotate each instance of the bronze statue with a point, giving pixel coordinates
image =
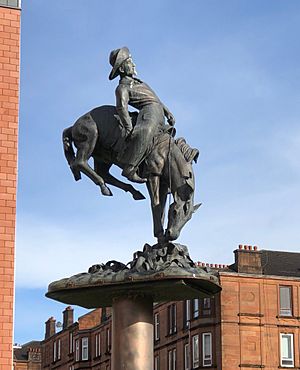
(139, 143)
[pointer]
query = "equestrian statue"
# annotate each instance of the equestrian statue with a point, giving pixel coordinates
(141, 144)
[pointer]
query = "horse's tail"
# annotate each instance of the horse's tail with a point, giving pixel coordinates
(190, 154)
(67, 144)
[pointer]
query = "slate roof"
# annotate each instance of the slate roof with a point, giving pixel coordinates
(21, 353)
(280, 263)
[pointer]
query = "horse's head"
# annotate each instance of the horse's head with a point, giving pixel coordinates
(181, 211)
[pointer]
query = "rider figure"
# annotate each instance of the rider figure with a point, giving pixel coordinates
(136, 93)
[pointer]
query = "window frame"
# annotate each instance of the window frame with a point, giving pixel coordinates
(209, 358)
(187, 313)
(187, 356)
(172, 357)
(172, 319)
(58, 349)
(107, 339)
(207, 311)
(283, 310)
(195, 351)
(196, 308)
(292, 359)
(71, 342)
(77, 350)
(98, 344)
(156, 327)
(84, 349)
(54, 351)
(156, 362)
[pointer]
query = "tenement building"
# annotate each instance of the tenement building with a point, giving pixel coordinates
(9, 108)
(27, 356)
(253, 323)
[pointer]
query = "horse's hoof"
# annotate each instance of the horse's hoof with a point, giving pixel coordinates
(77, 176)
(106, 191)
(138, 196)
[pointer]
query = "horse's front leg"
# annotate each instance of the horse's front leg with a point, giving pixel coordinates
(153, 185)
(102, 169)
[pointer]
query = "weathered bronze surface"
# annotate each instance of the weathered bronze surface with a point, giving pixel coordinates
(163, 274)
(140, 143)
(132, 333)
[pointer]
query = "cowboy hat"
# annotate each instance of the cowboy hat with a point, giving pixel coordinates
(116, 58)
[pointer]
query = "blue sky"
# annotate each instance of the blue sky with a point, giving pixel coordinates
(229, 72)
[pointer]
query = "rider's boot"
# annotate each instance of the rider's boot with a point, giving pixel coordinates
(130, 173)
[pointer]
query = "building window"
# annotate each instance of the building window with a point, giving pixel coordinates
(186, 357)
(54, 351)
(172, 359)
(187, 313)
(156, 327)
(98, 345)
(287, 350)
(156, 363)
(58, 349)
(71, 342)
(71, 367)
(172, 327)
(107, 340)
(85, 349)
(195, 353)
(206, 311)
(77, 350)
(195, 308)
(206, 349)
(285, 298)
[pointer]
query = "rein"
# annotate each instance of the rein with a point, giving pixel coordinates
(169, 165)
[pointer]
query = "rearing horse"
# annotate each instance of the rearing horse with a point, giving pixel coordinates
(167, 166)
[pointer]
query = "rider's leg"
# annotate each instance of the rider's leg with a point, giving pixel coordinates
(149, 120)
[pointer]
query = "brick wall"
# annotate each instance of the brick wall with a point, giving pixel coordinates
(9, 105)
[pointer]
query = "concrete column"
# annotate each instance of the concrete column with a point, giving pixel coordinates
(132, 333)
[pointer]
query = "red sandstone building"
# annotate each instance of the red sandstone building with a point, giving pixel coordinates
(9, 111)
(27, 356)
(252, 324)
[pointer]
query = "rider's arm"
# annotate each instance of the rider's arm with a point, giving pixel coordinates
(122, 98)
(169, 115)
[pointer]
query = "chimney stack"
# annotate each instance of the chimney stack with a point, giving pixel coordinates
(68, 317)
(50, 327)
(247, 260)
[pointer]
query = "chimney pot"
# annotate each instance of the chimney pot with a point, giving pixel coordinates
(255, 248)
(250, 247)
(240, 246)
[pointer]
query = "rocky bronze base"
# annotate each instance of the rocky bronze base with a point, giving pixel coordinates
(164, 273)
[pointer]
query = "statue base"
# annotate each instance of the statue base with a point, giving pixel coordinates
(159, 273)
(162, 273)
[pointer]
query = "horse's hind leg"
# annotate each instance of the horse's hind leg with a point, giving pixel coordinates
(85, 143)
(102, 169)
